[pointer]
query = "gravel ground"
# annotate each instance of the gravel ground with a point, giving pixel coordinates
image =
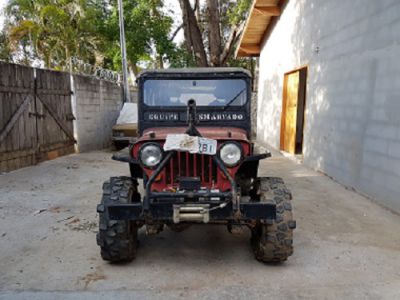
(346, 246)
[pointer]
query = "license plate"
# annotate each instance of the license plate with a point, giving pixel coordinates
(207, 146)
(191, 144)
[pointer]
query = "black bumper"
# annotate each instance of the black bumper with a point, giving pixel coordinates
(163, 211)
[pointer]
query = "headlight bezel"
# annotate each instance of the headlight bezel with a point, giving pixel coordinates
(141, 149)
(240, 147)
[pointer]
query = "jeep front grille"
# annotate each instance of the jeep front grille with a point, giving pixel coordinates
(184, 164)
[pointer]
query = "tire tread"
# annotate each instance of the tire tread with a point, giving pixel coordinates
(117, 239)
(273, 241)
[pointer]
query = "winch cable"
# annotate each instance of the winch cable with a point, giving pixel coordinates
(222, 205)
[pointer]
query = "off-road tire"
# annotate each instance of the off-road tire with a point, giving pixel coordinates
(273, 241)
(117, 239)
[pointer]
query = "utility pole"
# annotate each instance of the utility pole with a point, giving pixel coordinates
(123, 51)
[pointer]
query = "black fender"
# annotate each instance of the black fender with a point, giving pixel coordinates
(248, 171)
(134, 166)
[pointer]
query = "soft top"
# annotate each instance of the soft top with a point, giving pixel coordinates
(186, 71)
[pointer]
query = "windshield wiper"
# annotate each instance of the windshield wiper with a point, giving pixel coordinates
(233, 99)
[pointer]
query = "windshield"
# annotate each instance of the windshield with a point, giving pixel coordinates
(177, 92)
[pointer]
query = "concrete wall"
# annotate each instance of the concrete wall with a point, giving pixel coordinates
(97, 106)
(352, 119)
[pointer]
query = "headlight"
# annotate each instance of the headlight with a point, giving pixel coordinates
(230, 154)
(150, 155)
(118, 133)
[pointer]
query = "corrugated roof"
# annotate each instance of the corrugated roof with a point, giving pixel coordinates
(262, 16)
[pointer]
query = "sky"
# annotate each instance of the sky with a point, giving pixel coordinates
(176, 14)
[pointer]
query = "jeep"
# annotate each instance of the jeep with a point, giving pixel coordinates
(198, 165)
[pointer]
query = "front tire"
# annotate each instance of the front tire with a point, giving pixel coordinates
(273, 241)
(118, 238)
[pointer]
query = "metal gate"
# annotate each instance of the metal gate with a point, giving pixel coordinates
(35, 116)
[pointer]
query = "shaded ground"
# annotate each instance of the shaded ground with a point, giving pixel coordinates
(345, 245)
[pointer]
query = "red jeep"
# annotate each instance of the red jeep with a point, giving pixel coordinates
(198, 165)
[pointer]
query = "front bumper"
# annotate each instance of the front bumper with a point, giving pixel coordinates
(164, 211)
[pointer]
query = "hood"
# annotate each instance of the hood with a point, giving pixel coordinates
(219, 133)
(126, 126)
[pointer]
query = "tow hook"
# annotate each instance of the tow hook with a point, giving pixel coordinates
(154, 228)
(235, 229)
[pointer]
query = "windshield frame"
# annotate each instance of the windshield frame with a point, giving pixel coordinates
(246, 80)
(203, 73)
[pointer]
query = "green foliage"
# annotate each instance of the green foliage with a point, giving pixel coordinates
(147, 29)
(180, 58)
(52, 31)
(5, 51)
(237, 12)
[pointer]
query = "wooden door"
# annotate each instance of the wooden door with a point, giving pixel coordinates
(289, 116)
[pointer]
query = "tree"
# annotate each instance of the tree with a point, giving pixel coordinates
(52, 31)
(5, 51)
(212, 31)
(193, 36)
(147, 29)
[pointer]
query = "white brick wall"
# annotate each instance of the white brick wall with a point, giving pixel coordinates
(352, 122)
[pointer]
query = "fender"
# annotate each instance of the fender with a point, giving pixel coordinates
(134, 166)
(249, 167)
(257, 157)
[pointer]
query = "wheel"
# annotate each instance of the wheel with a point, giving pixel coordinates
(273, 241)
(118, 239)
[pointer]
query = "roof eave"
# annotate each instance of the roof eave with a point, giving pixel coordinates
(264, 14)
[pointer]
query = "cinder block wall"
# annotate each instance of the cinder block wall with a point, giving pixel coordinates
(97, 104)
(352, 119)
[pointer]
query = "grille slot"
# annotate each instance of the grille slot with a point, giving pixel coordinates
(184, 164)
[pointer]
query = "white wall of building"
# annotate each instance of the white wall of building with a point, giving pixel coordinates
(352, 119)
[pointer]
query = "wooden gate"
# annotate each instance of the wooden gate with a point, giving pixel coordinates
(35, 116)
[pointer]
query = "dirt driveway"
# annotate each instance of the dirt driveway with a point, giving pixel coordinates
(346, 247)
